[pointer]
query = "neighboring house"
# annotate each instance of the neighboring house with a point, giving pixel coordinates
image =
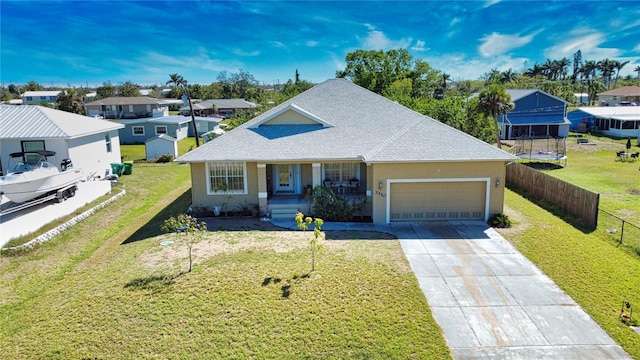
(91, 144)
(624, 96)
(38, 97)
(408, 166)
(123, 107)
(160, 145)
(223, 107)
(614, 121)
(138, 131)
(536, 115)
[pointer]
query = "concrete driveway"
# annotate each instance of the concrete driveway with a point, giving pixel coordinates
(491, 302)
(29, 220)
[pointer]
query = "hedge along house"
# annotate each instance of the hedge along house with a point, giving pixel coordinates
(536, 115)
(408, 166)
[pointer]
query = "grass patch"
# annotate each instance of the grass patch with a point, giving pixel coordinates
(137, 153)
(107, 289)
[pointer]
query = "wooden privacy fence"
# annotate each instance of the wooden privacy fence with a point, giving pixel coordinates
(572, 199)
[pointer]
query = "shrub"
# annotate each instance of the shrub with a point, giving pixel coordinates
(500, 221)
(331, 207)
(165, 158)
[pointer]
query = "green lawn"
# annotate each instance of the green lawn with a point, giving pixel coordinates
(137, 152)
(107, 289)
(593, 167)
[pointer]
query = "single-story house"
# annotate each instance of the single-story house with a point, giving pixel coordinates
(91, 144)
(138, 131)
(614, 121)
(37, 97)
(623, 96)
(406, 165)
(123, 107)
(536, 114)
(223, 107)
(160, 145)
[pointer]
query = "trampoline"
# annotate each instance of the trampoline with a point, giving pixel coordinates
(543, 150)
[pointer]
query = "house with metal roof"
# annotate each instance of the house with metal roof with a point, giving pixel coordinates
(407, 166)
(91, 144)
(227, 108)
(124, 107)
(38, 97)
(536, 115)
(622, 96)
(138, 131)
(613, 121)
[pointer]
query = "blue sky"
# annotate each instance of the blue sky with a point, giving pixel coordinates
(90, 42)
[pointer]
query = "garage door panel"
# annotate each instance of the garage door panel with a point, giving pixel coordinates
(423, 201)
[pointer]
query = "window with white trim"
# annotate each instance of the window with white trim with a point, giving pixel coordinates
(137, 130)
(161, 129)
(226, 178)
(341, 172)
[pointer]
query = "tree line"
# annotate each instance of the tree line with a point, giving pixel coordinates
(396, 75)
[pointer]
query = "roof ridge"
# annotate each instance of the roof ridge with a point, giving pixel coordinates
(386, 142)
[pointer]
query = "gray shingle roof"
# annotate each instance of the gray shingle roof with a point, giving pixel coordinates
(365, 126)
(222, 104)
(37, 122)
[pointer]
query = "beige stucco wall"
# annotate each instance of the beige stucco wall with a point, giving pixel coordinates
(375, 173)
(229, 202)
(290, 117)
(382, 172)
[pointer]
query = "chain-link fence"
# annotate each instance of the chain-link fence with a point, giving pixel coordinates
(619, 230)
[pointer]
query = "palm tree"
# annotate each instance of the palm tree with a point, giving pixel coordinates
(618, 66)
(180, 82)
(637, 69)
(606, 67)
(494, 101)
(536, 70)
(561, 66)
(508, 76)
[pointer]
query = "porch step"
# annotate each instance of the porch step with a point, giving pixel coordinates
(283, 211)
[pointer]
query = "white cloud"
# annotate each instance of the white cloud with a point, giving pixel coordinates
(278, 44)
(585, 40)
(454, 21)
(490, 2)
(637, 48)
(241, 52)
(377, 40)
(459, 66)
(419, 46)
(498, 44)
(312, 43)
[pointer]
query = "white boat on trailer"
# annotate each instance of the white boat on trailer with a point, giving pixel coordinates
(25, 182)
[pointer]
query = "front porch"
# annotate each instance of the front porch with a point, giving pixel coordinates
(287, 206)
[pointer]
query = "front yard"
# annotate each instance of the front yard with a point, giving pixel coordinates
(108, 289)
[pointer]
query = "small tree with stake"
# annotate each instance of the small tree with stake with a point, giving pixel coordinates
(188, 228)
(303, 224)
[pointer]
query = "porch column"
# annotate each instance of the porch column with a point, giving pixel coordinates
(262, 185)
(316, 174)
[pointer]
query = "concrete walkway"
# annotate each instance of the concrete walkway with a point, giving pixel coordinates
(490, 301)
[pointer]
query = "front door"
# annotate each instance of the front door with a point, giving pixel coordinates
(283, 176)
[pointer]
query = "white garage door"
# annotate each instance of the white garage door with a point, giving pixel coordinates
(424, 201)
